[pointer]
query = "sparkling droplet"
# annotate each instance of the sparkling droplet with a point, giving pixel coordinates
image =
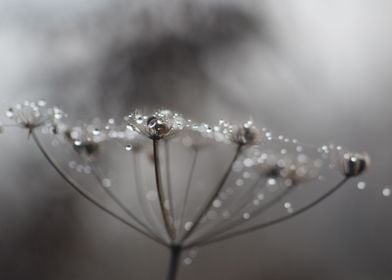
(128, 147)
(188, 225)
(217, 203)
(9, 113)
(41, 103)
(106, 183)
(96, 131)
(246, 216)
(361, 185)
(271, 182)
(386, 191)
(239, 182)
(287, 205)
(77, 142)
(187, 261)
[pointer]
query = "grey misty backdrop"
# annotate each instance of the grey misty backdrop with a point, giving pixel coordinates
(316, 70)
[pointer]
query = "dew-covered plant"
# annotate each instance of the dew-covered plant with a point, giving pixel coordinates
(185, 184)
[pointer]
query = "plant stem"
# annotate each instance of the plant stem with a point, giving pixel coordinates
(272, 222)
(175, 254)
(86, 195)
(214, 195)
(161, 195)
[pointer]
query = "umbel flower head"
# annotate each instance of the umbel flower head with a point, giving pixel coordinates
(31, 115)
(161, 124)
(240, 185)
(292, 169)
(245, 134)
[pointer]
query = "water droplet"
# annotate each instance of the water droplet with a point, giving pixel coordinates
(239, 182)
(287, 205)
(248, 162)
(361, 185)
(9, 113)
(41, 103)
(72, 164)
(188, 225)
(246, 175)
(246, 216)
(128, 147)
(106, 183)
(187, 261)
(151, 195)
(96, 131)
(77, 142)
(80, 168)
(386, 191)
(271, 182)
(217, 203)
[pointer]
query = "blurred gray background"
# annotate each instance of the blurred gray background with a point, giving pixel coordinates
(317, 70)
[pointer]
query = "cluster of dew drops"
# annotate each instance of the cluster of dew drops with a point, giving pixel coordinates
(39, 110)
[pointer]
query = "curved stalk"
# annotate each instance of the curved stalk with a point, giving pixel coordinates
(214, 195)
(161, 195)
(272, 222)
(187, 189)
(121, 204)
(86, 195)
(175, 254)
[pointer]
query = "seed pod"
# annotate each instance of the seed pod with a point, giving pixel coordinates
(354, 164)
(246, 134)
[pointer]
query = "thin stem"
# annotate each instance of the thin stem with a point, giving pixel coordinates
(214, 195)
(168, 179)
(119, 203)
(175, 254)
(161, 195)
(272, 222)
(227, 224)
(256, 213)
(187, 189)
(86, 195)
(144, 207)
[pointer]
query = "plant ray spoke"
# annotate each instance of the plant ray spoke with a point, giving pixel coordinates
(87, 195)
(215, 193)
(272, 222)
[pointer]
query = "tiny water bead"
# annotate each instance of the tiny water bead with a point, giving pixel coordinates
(246, 216)
(128, 147)
(106, 182)
(361, 185)
(386, 191)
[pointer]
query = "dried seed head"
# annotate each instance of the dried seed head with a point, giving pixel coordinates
(82, 142)
(354, 164)
(246, 134)
(161, 124)
(292, 169)
(31, 115)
